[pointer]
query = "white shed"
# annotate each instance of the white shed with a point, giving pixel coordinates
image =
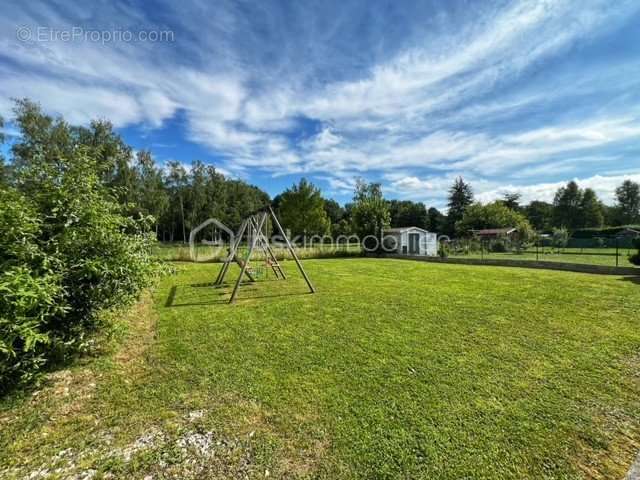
(412, 241)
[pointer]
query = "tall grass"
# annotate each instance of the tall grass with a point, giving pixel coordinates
(179, 252)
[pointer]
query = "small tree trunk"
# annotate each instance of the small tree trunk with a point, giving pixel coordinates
(184, 229)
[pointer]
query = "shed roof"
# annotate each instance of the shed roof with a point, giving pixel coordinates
(404, 229)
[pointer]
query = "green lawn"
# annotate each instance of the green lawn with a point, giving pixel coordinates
(394, 369)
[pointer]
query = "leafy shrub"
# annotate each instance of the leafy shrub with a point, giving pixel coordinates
(560, 237)
(498, 247)
(493, 215)
(30, 290)
(67, 253)
(443, 250)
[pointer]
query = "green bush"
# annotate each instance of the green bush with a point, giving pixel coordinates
(498, 246)
(31, 293)
(66, 255)
(560, 237)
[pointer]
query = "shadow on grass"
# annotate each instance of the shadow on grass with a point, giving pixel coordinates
(171, 297)
(634, 279)
(231, 284)
(223, 291)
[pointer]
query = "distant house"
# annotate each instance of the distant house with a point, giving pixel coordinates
(412, 241)
(495, 233)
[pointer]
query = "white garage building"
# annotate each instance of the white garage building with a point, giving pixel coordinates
(412, 241)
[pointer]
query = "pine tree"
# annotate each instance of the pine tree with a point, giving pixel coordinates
(460, 198)
(512, 201)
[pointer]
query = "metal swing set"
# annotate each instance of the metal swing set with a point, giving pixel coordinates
(255, 228)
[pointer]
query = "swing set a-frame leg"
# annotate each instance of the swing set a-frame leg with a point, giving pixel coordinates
(245, 263)
(233, 257)
(232, 251)
(291, 250)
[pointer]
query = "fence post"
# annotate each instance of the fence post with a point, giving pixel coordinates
(537, 247)
(617, 249)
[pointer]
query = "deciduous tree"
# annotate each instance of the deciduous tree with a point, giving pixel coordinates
(151, 196)
(302, 210)
(405, 213)
(591, 210)
(493, 215)
(540, 215)
(567, 206)
(437, 220)
(370, 212)
(628, 202)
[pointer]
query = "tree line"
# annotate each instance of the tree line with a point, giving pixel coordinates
(180, 198)
(304, 210)
(573, 208)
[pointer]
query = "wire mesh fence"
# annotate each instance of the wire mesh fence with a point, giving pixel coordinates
(602, 251)
(605, 251)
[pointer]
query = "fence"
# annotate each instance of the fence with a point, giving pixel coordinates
(603, 251)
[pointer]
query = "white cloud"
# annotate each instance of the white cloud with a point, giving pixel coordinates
(603, 185)
(433, 190)
(435, 103)
(323, 140)
(510, 151)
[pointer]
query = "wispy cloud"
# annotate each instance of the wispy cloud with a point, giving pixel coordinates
(429, 190)
(498, 91)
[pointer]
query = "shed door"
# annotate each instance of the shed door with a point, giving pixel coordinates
(414, 243)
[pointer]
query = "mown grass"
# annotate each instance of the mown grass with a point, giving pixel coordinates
(394, 369)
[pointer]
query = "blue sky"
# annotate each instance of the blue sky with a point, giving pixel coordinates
(512, 95)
